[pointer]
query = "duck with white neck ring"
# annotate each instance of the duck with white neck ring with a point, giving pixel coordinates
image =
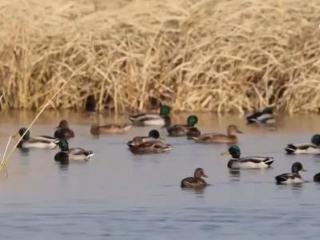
(72, 154)
(291, 178)
(254, 162)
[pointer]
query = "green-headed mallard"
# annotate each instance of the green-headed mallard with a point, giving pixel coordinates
(153, 135)
(247, 162)
(63, 131)
(196, 181)
(293, 177)
(262, 117)
(152, 146)
(230, 138)
(305, 148)
(76, 154)
(109, 129)
(44, 142)
(180, 130)
(150, 119)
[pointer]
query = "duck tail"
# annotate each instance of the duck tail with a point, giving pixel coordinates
(268, 161)
(279, 179)
(290, 149)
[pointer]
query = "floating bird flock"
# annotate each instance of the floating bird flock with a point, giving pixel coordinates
(153, 143)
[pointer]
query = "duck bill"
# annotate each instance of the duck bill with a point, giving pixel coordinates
(204, 175)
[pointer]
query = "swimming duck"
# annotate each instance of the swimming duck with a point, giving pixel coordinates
(150, 119)
(293, 177)
(262, 117)
(152, 146)
(180, 130)
(247, 162)
(153, 135)
(305, 148)
(63, 131)
(230, 138)
(109, 129)
(196, 181)
(76, 154)
(44, 142)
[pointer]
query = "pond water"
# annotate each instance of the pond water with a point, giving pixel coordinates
(118, 195)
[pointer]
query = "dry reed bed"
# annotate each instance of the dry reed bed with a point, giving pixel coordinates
(206, 55)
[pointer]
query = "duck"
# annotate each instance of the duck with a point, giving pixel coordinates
(293, 177)
(196, 181)
(254, 162)
(42, 142)
(181, 130)
(193, 132)
(152, 146)
(71, 154)
(305, 148)
(152, 119)
(153, 135)
(109, 129)
(262, 117)
(230, 138)
(63, 131)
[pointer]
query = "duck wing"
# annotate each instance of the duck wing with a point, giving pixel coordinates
(80, 151)
(178, 130)
(191, 182)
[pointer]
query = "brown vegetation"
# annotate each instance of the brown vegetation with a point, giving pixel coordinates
(205, 55)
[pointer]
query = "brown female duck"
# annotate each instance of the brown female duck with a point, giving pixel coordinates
(196, 181)
(230, 138)
(109, 129)
(152, 146)
(63, 131)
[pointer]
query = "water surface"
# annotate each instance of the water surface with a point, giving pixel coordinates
(118, 195)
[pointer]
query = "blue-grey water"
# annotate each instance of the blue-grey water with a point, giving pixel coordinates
(118, 195)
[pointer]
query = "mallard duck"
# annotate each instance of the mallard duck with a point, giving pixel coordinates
(153, 135)
(152, 146)
(44, 142)
(230, 138)
(180, 130)
(293, 177)
(109, 129)
(247, 162)
(262, 117)
(63, 131)
(76, 154)
(150, 119)
(196, 181)
(305, 148)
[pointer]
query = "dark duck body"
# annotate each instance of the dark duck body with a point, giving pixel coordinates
(196, 181)
(63, 131)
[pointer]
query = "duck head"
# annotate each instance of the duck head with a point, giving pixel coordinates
(63, 124)
(233, 129)
(154, 134)
(199, 173)
(64, 145)
(25, 133)
(164, 110)
(297, 167)
(192, 120)
(316, 139)
(234, 151)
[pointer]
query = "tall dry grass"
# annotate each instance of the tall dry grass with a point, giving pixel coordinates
(205, 55)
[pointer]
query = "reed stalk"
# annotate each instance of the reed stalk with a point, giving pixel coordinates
(209, 55)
